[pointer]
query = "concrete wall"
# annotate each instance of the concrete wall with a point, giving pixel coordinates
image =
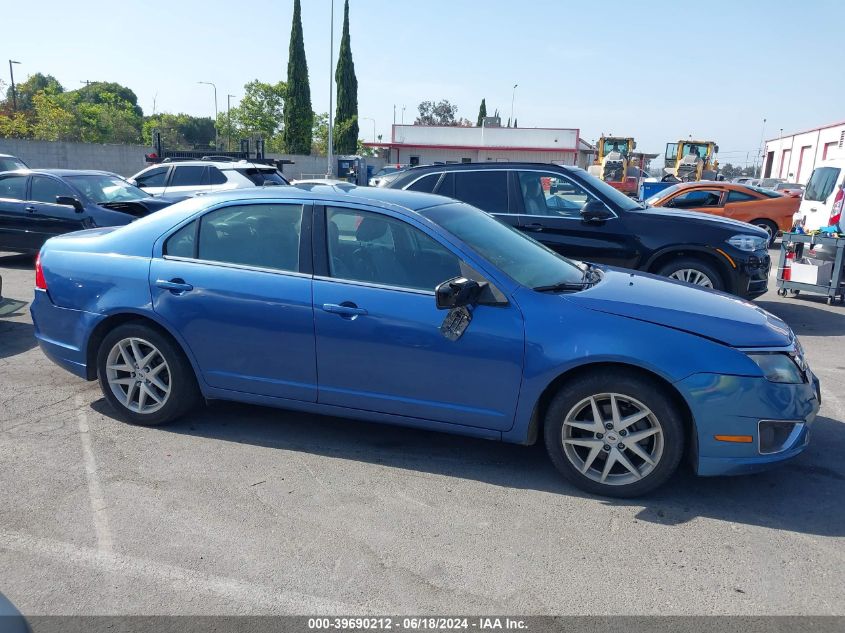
(128, 160)
(125, 160)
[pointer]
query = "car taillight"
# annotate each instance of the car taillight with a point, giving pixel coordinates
(836, 210)
(40, 282)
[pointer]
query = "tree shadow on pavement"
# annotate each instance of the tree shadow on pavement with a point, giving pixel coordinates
(16, 338)
(808, 315)
(801, 496)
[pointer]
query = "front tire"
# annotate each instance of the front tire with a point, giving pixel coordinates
(144, 375)
(769, 227)
(693, 271)
(614, 433)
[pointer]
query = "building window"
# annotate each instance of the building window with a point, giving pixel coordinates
(827, 148)
(414, 161)
(466, 160)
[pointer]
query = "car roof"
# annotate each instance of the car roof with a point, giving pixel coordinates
(65, 172)
(220, 164)
(489, 165)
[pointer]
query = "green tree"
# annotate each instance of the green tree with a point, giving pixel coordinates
(346, 115)
(108, 92)
(53, 121)
(14, 125)
(482, 113)
(320, 134)
(515, 124)
(33, 85)
(180, 131)
(441, 113)
(260, 111)
(298, 116)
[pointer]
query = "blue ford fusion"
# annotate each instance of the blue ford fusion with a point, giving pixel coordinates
(413, 309)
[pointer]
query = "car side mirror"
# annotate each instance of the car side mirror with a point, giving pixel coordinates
(457, 293)
(70, 201)
(133, 182)
(595, 211)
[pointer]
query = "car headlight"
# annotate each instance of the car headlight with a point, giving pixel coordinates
(748, 242)
(778, 367)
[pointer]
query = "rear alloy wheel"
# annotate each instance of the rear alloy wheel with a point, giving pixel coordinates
(609, 441)
(769, 227)
(145, 376)
(693, 271)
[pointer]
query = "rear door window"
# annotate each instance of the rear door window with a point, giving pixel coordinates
(215, 176)
(189, 176)
(261, 235)
(821, 184)
(13, 187)
(487, 190)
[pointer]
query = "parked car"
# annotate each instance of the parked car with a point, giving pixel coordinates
(583, 217)
(789, 189)
(377, 178)
(192, 177)
(417, 310)
(823, 198)
(11, 163)
(36, 204)
(764, 208)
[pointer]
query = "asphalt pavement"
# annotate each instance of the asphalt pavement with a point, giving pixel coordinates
(248, 510)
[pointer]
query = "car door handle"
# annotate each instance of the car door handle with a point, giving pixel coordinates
(29, 209)
(177, 286)
(534, 226)
(344, 309)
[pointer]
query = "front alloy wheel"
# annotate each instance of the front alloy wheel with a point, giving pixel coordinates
(615, 432)
(692, 276)
(612, 439)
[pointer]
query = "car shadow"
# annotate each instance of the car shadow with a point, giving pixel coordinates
(801, 496)
(805, 318)
(17, 262)
(16, 338)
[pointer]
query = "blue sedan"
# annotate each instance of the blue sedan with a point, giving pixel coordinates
(413, 309)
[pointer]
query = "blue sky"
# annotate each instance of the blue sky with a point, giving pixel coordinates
(655, 70)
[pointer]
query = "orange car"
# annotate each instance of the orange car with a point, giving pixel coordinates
(767, 209)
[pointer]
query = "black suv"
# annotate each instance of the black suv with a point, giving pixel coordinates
(584, 218)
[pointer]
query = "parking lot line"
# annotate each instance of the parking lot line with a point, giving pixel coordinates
(95, 490)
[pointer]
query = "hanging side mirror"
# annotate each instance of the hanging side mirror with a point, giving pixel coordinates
(457, 293)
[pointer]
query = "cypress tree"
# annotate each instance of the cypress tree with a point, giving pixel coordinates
(482, 112)
(346, 114)
(298, 117)
(515, 124)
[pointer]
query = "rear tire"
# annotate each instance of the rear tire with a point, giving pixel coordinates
(632, 406)
(145, 376)
(693, 271)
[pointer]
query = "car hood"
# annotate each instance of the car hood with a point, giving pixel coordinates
(687, 216)
(707, 313)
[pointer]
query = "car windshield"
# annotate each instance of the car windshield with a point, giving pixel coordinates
(614, 196)
(821, 184)
(386, 170)
(102, 188)
(524, 260)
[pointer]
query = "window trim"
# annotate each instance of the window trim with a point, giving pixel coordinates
(168, 169)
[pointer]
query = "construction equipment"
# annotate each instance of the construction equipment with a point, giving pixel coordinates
(614, 156)
(691, 161)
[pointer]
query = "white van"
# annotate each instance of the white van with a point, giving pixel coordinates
(823, 198)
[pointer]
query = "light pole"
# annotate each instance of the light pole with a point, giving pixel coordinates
(14, 94)
(513, 96)
(403, 115)
(229, 122)
(366, 118)
(211, 83)
(762, 151)
(330, 149)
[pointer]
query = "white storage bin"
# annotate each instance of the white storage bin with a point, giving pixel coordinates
(812, 271)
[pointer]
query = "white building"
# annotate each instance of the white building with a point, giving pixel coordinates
(425, 144)
(794, 157)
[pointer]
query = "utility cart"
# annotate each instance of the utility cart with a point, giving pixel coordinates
(817, 276)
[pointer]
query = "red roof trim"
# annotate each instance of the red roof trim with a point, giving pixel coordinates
(473, 147)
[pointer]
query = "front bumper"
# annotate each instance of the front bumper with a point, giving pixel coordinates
(751, 275)
(734, 406)
(63, 333)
